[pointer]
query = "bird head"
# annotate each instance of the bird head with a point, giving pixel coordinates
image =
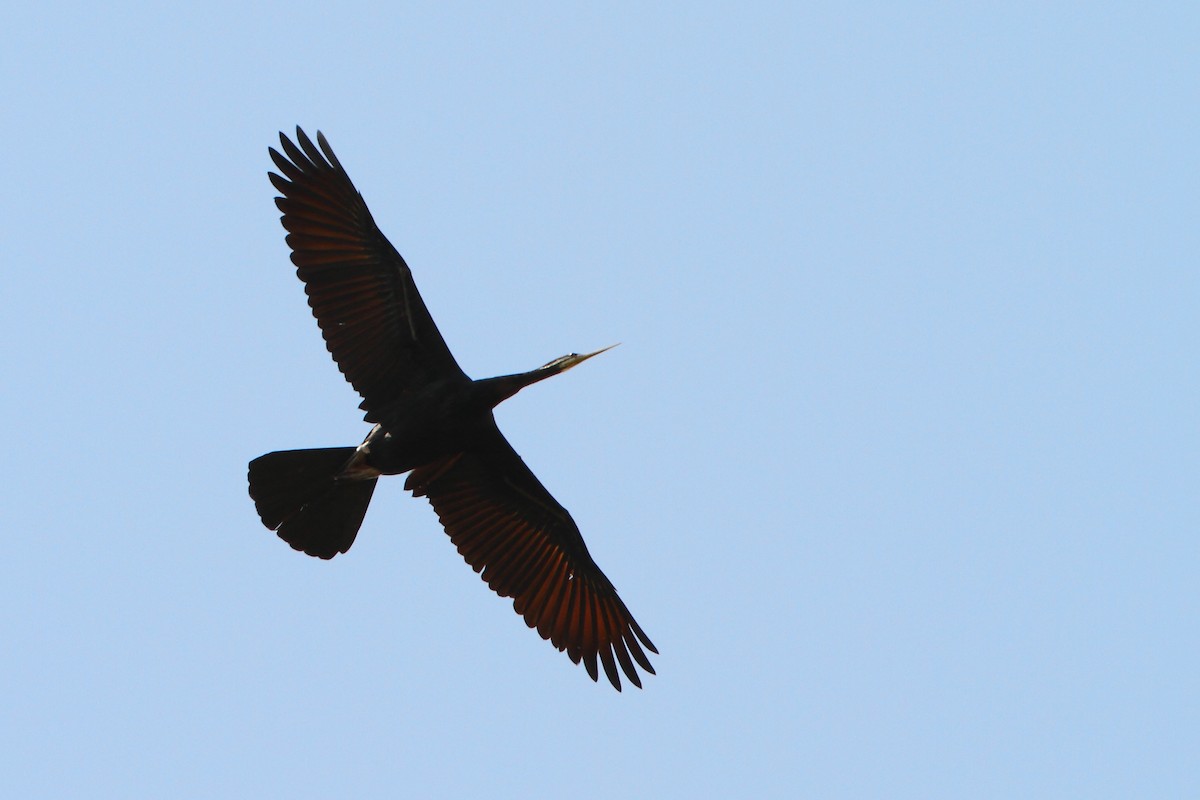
(564, 363)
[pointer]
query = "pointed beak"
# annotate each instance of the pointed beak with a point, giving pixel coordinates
(578, 359)
(566, 362)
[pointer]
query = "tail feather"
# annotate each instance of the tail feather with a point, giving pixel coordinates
(299, 496)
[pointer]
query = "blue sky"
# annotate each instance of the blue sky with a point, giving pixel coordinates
(897, 463)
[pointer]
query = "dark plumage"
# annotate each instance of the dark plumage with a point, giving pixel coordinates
(432, 421)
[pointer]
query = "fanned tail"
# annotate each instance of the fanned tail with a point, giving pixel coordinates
(303, 496)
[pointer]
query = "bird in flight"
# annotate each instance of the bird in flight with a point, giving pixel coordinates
(431, 421)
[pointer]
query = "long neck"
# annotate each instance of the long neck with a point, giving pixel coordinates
(495, 391)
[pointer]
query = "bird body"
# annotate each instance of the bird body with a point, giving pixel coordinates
(430, 420)
(429, 424)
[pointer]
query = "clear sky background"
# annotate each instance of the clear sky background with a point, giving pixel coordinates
(897, 463)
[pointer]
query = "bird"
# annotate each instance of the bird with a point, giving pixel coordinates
(430, 420)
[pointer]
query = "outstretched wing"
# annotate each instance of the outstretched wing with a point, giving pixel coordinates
(507, 526)
(362, 293)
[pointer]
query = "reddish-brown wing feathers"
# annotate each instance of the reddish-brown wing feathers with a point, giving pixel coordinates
(361, 292)
(527, 547)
